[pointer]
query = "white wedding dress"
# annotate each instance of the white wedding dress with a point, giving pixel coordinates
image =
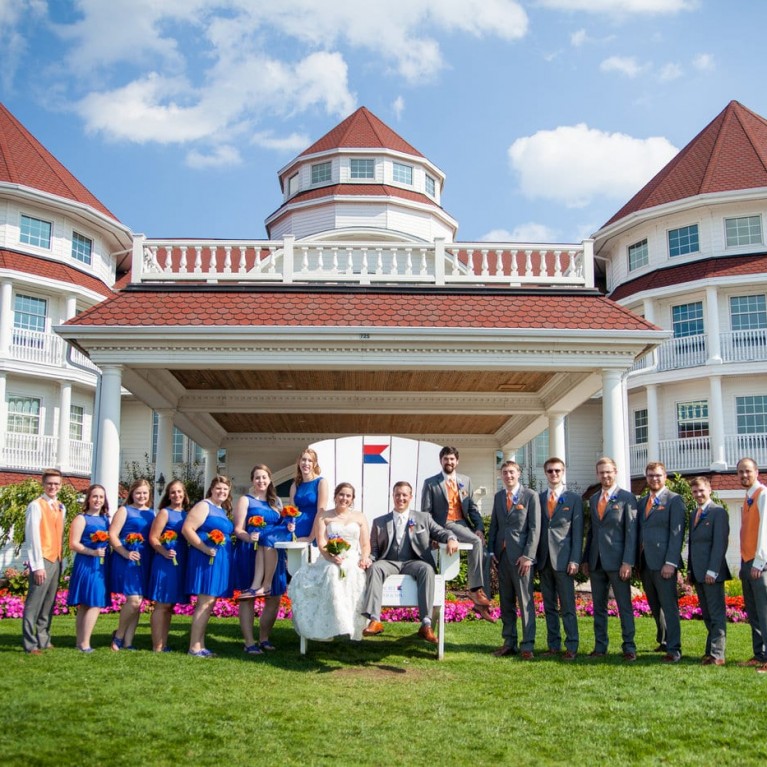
(324, 604)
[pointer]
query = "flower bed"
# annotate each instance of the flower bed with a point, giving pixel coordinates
(455, 611)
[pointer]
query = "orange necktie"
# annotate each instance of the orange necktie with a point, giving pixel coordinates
(697, 516)
(508, 501)
(552, 504)
(650, 504)
(602, 505)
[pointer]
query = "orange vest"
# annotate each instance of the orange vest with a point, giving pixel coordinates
(454, 509)
(749, 528)
(51, 529)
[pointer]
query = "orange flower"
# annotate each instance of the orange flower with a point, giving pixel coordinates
(100, 536)
(290, 511)
(216, 537)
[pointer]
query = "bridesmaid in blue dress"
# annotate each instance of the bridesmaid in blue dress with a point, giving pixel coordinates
(209, 564)
(167, 581)
(309, 493)
(261, 501)
(88, 583)
(130, 565)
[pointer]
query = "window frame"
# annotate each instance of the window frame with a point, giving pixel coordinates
(641, 248)
(76, 422)
(370, 164)
(684, 240)
(741, 414)
(676, 323)
(21, 417)
(693, 422)
(322, 172)
(400, 169)
(19, 313)
(430, 185)
(78, 254)
(749, 229)
(641, 426)
(757, 316)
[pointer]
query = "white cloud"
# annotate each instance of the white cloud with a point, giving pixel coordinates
(398, 107)
(13, 15)
(222, 156)
(578, 38)
(573, 165)
(670, 71)
(295, 142)
(530, 232)
(622, 7)
(626, 65)
(704, 62)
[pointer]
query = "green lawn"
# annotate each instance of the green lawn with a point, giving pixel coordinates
(386, 701)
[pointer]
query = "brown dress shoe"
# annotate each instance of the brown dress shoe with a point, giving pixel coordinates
(374, 628)
(504, 650)
(569, 655)
(760, 670)
(34, 652)
(629, 657)
(426, 632)
(596, 654)
(526, 655)
(671, 657)
(480, 598)
(484, 613)
(752, 662)
(711, 661)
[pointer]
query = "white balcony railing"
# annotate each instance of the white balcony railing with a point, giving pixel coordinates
(746, 446)
(364, 262)
(688, 454)
(33, 452)
(638, 458)
(44, 349)
(744, 345)
(686, 352)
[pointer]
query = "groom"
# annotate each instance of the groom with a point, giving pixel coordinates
(400, 542)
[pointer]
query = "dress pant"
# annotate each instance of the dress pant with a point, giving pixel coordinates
(558, 591)
(475, 559)
(663, 600)
(516, 590)
(755, 600)
(601, 580)
(713, 607)
(381, 569)
(38, 608)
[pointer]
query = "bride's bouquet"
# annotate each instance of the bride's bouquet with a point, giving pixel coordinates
(338, 546)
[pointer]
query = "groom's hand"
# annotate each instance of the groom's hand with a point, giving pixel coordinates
(452, 546)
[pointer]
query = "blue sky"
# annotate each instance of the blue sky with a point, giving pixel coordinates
(545, 115)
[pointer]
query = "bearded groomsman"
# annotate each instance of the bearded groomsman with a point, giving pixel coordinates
(559, 556)
(661, 536)
(43, 533)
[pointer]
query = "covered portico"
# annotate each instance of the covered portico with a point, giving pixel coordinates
(252, 345)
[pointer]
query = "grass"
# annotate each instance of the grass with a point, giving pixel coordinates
(386, 701)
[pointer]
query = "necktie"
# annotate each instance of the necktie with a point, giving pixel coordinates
(508, 501)
(552, 503)
(602, 505)
(697, 516)
(650, 504)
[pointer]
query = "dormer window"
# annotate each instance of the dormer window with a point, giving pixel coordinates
(35, 232)
(292, 184)
(402, 174)
(82, 248)
(361, 168)
(321, 173)
(431, 186)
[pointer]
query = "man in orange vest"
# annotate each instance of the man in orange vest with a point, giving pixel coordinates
(753, 555)
(43, 532)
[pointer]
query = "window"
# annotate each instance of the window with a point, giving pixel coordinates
(361, 168)
(293, 184)
(743, 231)
(155, 432)
(178, 445)
(638, 255)
(640, 426)
(35, 232)
(402, 174)
(748, 312)
(752, 414)
(321, 173)
(24, 415)
(683, 240)
(431, 186)
(29, 313)
(81, 248)
(76, 420)
(692, 419)
(687, 319)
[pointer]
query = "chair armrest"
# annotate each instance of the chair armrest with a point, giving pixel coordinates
(298, 553)
(449, 564)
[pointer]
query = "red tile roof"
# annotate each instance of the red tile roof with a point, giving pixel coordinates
(13, 477)
(362, 130)
(25, 161)
(359, 308)
(707, 268)
(729, 153)
(54, 270)
(366, 190)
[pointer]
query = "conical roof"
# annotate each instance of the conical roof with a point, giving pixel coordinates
(362, 129)
(26, 162)
(730, 153)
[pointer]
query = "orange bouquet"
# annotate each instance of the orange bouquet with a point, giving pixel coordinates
(291, 512)
(168, 539)
(255, 522)
(215, 538)
(134, 542)
(100, 536)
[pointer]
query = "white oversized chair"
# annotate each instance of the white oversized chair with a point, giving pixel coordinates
(399, 590)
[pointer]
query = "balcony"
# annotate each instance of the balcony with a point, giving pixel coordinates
(32, 452)
(44, 349)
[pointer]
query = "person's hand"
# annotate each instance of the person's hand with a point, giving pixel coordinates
(134, 556)
(756, 573)
(572, 569)
(291, 526)
(585, 569)
(667, 571)
(523, 566)
(625, 572)
(481, 535)
(169, 553)
(452, 546)
(435, 544)
(254, 537)
(39, 577)
(100, 552)
(710, 580)
(365, 563)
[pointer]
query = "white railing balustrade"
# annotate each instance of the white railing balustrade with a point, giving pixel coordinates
(739, 446)
(33, 452)
(744, 345)
(80, 455)
(364, 262)
(676, 353)
(638, 459)
(688, 454)
(36, 346)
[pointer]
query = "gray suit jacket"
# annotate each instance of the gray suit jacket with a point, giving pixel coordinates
(708, 545)
(519, 528)
(422, 532)
(661, 534)
(434, 500)
(613, 540)
(561, 539)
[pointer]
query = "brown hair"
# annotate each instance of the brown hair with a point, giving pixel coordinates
(341, 485)
(701, 481)
(135, 486)
(605, 459)
(553, 459)
(87, 500)
(165, 500)
(402, 483)
(271, 491)
(220, 479)
(317, 470)
(511, 463)
(51, 473)
(655, 465)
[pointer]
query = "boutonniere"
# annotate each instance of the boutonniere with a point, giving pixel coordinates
(660, 508)
(750, 501)
(520, 506)
(411, 523)
(561, 500)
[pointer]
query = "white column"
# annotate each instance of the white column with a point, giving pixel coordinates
(648, 309)
(653, 432)
(557, 435)
(70, 309)
(712, 327)
(3, 415)
(65, 414)
(716, 424)
(614, 423)
(164, 462)
(211, 466)
(106, 469)
(6, 319)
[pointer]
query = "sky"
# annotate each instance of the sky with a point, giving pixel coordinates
(545, 115)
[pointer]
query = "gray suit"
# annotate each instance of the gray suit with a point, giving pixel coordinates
(411, 556)
(561, 543)
(513, 534)
(434, 501)
(612, 541)
(707, 552)
(661, 536)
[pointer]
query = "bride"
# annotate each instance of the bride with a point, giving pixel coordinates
(326, 596)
